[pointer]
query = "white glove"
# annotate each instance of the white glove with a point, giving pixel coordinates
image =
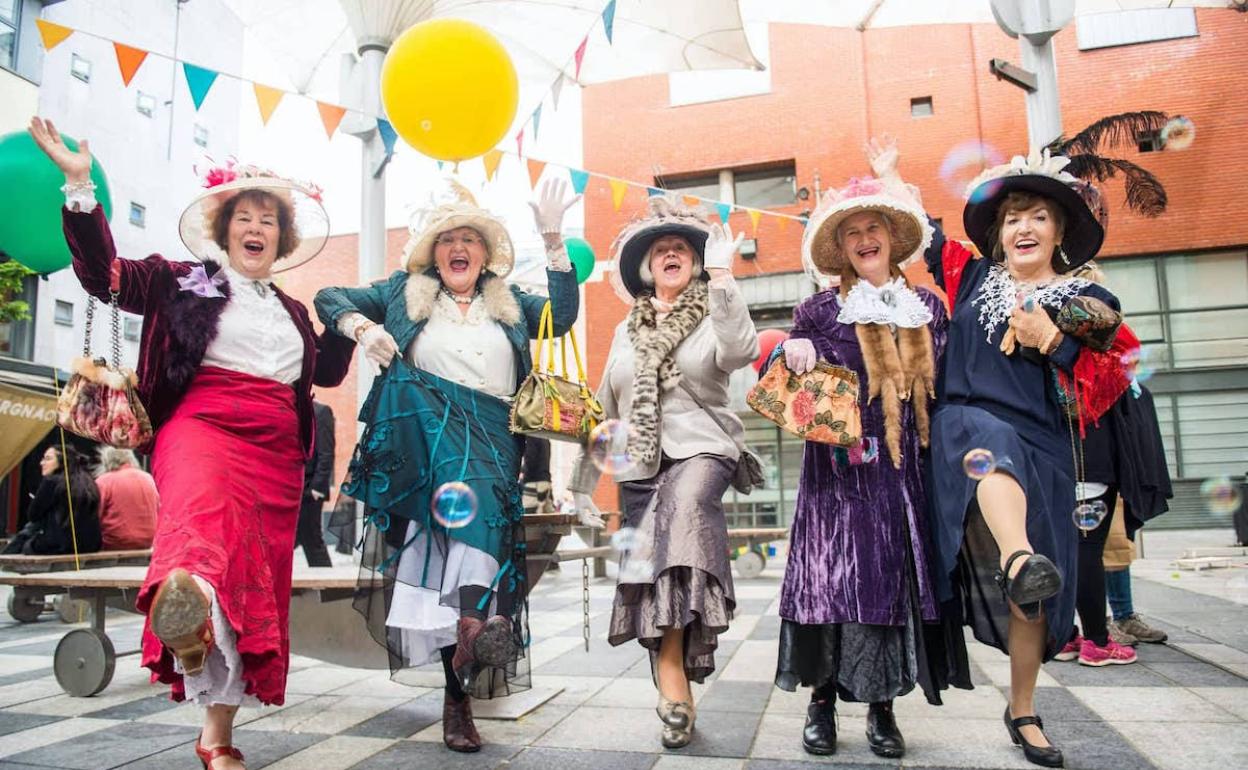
(799, 355)
(882, 155)
(587, 512)
(379, 347)
(721, 247)
(549, 209)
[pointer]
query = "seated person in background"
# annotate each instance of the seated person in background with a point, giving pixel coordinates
(128, 501)
(48, 527)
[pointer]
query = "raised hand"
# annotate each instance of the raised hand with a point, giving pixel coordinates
(882, 154)
(721, 246)
(75, 165)
(549, 208)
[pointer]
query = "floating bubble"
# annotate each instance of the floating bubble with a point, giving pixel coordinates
(454, 505)
(608, 446)
(624, 539)
(1179, 133)
(978, 463)
(1220, 494)
(1137, 364)
(637, 571)
(1089, 515)
(965, 162)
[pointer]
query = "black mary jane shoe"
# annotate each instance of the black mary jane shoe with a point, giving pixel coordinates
(1037, 580)
(819, 734)
(882, 733)
(1045, 756)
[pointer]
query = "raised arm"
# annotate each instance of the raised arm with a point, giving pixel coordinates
(548, 212)
(736, 339)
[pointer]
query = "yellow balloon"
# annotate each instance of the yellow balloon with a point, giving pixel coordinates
(449, 89)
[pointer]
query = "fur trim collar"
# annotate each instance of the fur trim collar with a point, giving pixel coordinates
(421, 292)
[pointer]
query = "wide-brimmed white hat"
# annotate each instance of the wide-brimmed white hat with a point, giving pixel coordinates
(911, 232)
(664, 215)
(460, 211)
(310, 221)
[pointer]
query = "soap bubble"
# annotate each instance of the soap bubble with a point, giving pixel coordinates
(1220, 494)
(1137, 364)
(965, 162)
(454, 505)
(608, 446)
(637, 571)
(624, 539)
(1089, 515)
(1179, 133)
(978, 463)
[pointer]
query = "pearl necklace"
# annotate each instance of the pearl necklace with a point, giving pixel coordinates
(460, 299)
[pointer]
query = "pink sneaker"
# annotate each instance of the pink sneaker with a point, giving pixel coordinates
(1071, 650)
(1112, 654)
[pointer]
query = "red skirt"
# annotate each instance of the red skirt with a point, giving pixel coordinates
(229, 469)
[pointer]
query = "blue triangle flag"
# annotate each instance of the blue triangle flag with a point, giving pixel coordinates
(388, 135)
(579, 179)
(537, 120)
(608, 20)
(439, 165)
(653, 191)
(199, 80)
(724, 210)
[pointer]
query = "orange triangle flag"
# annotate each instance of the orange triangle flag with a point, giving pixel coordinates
(535, 171)
(52, 34)
(267, 99)
(129, 60)
(331, 116)
(691, 200)
(782, 222)
(755, 215)
(491, 160)
(618, 188)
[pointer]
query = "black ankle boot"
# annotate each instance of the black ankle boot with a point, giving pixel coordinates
(819, 735)
(882, 732)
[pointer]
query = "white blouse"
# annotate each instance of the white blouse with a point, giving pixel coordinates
(471, 349)
(255, 334)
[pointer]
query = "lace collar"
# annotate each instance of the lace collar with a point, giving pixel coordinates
(894, 303)
(1000, 294)
(239, 282)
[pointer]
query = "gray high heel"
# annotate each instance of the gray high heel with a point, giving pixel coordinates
(678, 718)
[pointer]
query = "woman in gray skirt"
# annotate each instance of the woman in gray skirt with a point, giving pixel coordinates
(667, 377)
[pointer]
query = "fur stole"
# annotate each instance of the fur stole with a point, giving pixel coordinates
(193, 322)
(500, 304)
(654, 368)
(899, 368)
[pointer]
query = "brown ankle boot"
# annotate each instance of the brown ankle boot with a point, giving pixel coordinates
(465, 656)
(458, 731)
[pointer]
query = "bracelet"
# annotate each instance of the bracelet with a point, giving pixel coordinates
(78, 187)
(1048, 345)
(361, 328)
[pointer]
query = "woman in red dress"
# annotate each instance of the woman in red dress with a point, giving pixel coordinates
(226, 367)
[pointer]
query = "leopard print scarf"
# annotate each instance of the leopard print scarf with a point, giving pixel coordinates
(653, 366)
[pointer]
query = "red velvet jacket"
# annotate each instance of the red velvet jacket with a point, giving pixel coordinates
(178, 325)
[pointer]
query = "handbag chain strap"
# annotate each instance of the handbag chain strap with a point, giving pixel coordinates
(115, 332)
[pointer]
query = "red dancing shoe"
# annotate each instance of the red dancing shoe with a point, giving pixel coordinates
(181, 618)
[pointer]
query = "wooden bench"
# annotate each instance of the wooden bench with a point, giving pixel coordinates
(26, 604)
(752, 563)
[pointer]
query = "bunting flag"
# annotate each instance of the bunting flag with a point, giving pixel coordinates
(535, 170)
(783, 223)
(755, 215)
(691, 200)
(653, 191)
(520, 143)
(580, 56)
(724, 209)
(537, 120)
(491, 160)
(331, 116)
(52, 34)
(128, 61)
(388, 136)
(199, 80)
(608, 20)
(618, 189)
(267, 99)
(440, 164)
(579, 179)
(555, 89)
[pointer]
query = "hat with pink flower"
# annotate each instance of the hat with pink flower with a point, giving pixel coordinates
(895, 201)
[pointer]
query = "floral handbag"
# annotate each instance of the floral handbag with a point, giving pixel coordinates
(551, 406)
(99, 402)
(821, 405)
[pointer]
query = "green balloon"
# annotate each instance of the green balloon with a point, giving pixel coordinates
(582, 256)
(31, 201)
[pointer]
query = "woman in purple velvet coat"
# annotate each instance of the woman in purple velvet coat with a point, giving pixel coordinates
(858, 609)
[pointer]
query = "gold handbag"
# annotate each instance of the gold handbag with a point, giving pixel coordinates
(821, 405)
(551, 406)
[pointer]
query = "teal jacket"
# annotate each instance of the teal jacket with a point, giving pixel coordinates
(403, 302)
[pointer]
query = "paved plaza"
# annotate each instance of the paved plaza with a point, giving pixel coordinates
(1184, 705)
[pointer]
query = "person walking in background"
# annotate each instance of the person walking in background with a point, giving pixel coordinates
(128, 501)
(318, 474)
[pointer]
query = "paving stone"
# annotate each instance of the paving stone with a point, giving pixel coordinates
(25, 676)
(1197, 675)
(754, 661)
(768, 627)
(1055, 704)
(606, 729)
(602, 660)
(725, 695)
(779, 737)
(116, 745)
(1150, 704)
(135, 709)
(571, 759)
(806, 764)
(1094, 746)
(401, 721)
(1072, 674)
(1232, 699)
(679, 762)
(1187, 745)
(259, 750)
(336, 753)
(12, 721)
(405, 755)
(722, 734)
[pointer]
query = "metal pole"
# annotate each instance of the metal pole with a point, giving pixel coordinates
(1044, 113)
(372, 188)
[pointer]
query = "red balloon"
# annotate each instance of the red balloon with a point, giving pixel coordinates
(767, 341)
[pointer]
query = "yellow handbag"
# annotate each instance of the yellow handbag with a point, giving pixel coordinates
(551, 406)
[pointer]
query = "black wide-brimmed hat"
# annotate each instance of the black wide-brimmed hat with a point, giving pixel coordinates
(1038, 174)
(665, 216)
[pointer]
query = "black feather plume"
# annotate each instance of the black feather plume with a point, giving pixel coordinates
(1122, 130)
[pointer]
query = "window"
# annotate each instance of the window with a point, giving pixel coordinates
(201, 135)
(1143, 25)
(64, 313)
(766, 187)
(703, 186)
(1149, 141)
(138, 214)
(80, 68)
(17, 338)
(145, 104)
(10, 10)
(131, 329)
(921, 107)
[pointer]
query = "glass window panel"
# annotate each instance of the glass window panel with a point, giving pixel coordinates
(80, 68)
(1148, 328)
(8, 11)
(8, 42)
(63, 314)
(1134, 283)
(1213, 338)
(1214, 432)
(706, 187)
(1207, 280)
(769, 187)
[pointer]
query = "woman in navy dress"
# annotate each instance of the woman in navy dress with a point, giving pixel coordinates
(1020, 336)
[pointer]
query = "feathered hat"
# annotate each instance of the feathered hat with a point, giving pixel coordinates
(457, 208)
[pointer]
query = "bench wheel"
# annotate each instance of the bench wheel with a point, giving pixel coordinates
(72, 610)
(25, 607)
(751, 563)
(84, 662)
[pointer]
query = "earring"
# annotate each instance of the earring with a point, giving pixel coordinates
(1062, 253)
